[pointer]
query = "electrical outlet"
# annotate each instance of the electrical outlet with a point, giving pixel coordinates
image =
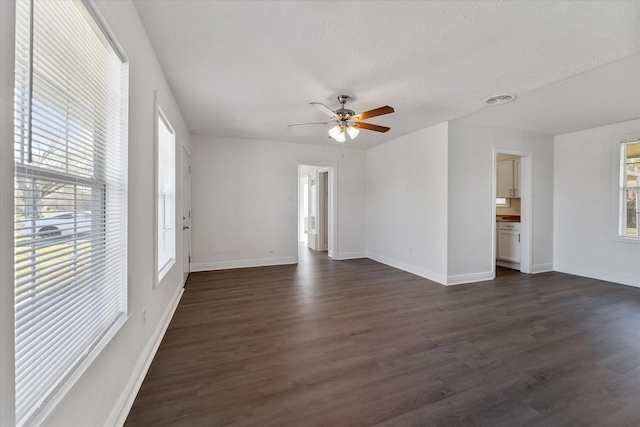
(144, 315)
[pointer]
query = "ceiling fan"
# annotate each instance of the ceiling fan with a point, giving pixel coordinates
(347, 121)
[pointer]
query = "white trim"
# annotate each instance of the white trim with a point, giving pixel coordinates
(541, 268)
(470, 278)
(526, 213)
(7, 320)
(333, 219)
(185, 274)
(244, 263)
(54, 400)
(160, 273)
(626, 239)
(507, 264)
(426, 274)
(66, 369)
(154, 193)
(351, 255)
(622, 279)
(120, 412)
(616, 193)
(102, 24)
(167, 267)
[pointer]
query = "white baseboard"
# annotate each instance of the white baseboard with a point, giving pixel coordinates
(352, 255)
(507, 264)
(429, 275)
(125, 402)
(606, 276)
(541, 268)
(244, 263)
(469, 278)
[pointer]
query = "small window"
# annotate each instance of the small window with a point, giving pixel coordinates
(630, 188)
(166, 196)
(503, 202)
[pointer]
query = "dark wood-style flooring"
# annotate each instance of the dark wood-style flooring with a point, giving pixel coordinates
(357, 343)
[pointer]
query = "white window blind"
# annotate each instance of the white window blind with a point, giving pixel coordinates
(166, 202)
(70, 195)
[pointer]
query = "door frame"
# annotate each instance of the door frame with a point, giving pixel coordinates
(323, 210)
(526, 209)
(333, 219)
(312, 230)
(186, 189)
(301, 191)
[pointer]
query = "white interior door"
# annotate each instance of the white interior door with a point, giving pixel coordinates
(186, 214)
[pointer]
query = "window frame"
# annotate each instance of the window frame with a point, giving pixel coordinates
(32, 171)
(501, 204)
(622, 190)
(160, 272)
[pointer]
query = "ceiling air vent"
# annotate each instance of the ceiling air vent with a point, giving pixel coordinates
(499, 99)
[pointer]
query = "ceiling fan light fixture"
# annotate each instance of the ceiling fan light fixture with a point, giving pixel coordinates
(337, 133)
(353, 132)
(346, 121)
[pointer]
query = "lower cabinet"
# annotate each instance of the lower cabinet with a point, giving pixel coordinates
(508, 244)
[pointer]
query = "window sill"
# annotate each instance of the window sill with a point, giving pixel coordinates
(163, 272)
(58, 396)
(626, 239)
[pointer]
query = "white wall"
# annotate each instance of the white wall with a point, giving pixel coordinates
(244, 195)
(585, 204)
(407, 202)
(7, 22)
(102, 393)
(471, 220)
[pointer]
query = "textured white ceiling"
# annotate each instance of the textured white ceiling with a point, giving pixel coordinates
(246, 69)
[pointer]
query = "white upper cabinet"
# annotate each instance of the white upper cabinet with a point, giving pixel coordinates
(508, 178)
(504, 179)
(516, 178)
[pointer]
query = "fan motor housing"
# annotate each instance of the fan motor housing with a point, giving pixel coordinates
(345, 113)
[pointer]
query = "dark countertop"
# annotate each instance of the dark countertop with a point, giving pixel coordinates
(507, 218)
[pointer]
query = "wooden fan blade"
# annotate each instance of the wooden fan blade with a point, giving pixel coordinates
(328, 111)
(314, 123)
(369, 126)
(374, 113)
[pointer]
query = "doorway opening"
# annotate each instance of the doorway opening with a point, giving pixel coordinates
(317, 208)
(512, 211)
